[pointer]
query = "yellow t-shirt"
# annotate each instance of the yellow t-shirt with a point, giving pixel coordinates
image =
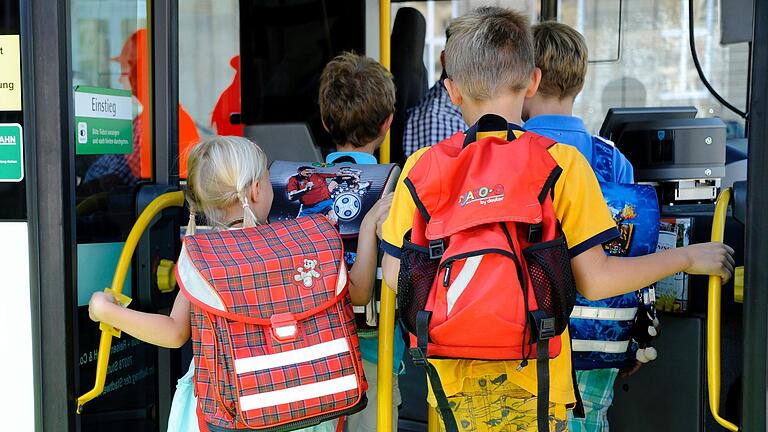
(586, 222)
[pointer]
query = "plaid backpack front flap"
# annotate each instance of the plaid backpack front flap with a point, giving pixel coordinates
(272, 325)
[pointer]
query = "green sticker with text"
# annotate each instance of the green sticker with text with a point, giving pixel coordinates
(11, 153)
(103, 121)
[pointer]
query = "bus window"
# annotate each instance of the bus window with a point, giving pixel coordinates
(209, 48)
(654, 66)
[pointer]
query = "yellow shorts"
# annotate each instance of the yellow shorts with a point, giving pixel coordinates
(493, 404)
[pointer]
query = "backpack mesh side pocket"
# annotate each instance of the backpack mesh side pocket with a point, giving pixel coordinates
(549, 266)
(417, 273)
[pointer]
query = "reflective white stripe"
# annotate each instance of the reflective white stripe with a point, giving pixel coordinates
(611, 347)
(341, 282)
(195, 284)
(602, 313)
(361, 309)
(299, 393)
(325, 349)
(462, 280)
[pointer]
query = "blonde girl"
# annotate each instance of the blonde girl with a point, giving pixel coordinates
(229, 183)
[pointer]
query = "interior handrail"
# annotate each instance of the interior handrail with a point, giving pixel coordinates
(162, 202)
(713, 316)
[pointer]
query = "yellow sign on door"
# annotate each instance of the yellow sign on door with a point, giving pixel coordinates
(10, 73)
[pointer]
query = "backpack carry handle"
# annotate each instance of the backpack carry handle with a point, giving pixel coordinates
(491, 123)
(162, 202)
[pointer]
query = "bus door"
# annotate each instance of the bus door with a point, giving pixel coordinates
(124, 155)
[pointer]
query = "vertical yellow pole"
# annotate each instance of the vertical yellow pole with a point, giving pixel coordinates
(387, 313)
(713, 317)
(433, 421)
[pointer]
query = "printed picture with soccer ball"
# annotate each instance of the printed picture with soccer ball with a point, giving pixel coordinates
(342, 192)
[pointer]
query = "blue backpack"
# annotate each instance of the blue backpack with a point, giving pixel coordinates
(602, 331)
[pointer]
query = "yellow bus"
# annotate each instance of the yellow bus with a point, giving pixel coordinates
(99, 98)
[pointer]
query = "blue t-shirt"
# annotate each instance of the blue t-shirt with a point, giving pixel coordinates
(571, 130)
(369, 346)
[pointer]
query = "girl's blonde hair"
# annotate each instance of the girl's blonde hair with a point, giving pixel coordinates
(221, 170)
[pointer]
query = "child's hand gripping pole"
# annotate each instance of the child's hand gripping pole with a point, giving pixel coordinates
(162, 202)
(713, 317)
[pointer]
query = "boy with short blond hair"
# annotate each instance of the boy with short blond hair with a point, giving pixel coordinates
(490, 68)
(562, 55)
(357, 103)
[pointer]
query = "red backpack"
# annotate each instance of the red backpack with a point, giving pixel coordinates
(485, 273)
(273, 329)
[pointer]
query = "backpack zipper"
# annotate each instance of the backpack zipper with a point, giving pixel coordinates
(447, 264)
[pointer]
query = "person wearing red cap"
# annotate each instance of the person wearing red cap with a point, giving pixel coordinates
(134, 75)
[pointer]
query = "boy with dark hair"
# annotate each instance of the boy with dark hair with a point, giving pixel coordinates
(491, 70)
(561, 55)
(357, 103)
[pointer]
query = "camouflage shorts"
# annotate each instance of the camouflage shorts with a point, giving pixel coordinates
(493, 404)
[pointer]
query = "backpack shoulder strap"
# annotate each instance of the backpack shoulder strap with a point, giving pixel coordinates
(540, 140)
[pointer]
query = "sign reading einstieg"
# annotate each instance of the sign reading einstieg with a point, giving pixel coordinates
(103, 121)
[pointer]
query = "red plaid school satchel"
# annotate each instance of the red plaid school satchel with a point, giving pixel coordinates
(273, 329)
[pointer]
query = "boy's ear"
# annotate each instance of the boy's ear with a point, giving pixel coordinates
(453, 91)
(386, 124)
(533, 86)
(324, 125)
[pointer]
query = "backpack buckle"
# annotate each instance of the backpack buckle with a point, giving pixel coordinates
(284, 327)
(418, 357)
(545, 326)
(535, 233)
(436, 249)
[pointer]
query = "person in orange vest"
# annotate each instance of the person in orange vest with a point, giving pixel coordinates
(134, 75)
(228, 104)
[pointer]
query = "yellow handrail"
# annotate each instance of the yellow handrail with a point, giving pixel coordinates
(713, 317)
(387, 311)
(164, 201)
(433, 420)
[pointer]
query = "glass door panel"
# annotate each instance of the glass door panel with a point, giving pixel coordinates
(111, 76)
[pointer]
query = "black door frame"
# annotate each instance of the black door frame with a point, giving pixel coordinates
(50, 189)
(755, 356)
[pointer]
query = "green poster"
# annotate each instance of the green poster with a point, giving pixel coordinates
(103, 121)
(11, 153)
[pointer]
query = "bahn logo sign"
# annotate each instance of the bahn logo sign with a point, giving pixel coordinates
(11, 153)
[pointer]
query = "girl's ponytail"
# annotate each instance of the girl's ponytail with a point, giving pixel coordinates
(249, 218)
(192, 224)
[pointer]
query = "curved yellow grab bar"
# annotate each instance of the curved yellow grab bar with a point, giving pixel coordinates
(713, 317)
(164, 201)
(387, 306)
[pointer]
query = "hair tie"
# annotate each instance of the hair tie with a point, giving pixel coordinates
(249, 218)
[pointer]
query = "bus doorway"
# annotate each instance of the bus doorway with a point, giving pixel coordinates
(128, 132)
